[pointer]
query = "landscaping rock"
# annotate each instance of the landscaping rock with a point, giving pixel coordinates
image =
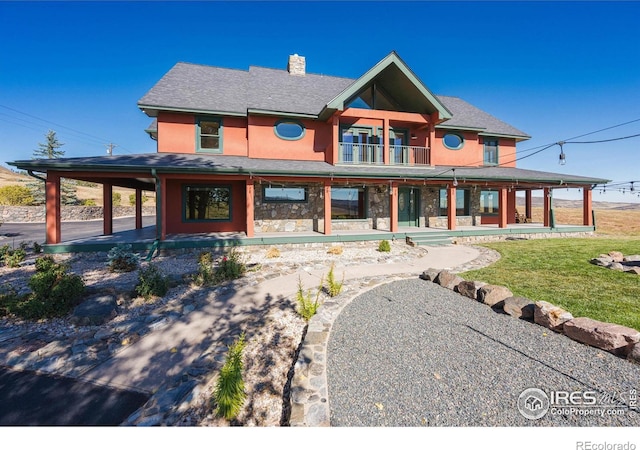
(448, 279)
(616, 266)
(635, 270)
(550, 316)
(430, 274)
(602, 261)
(470, 288)
(493, 295)
(611, 337)
(95, 311)
(634, 353)
(519, 307)
(616, 256)
(632, 258)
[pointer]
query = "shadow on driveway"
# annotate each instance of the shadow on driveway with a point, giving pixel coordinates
(28, 398)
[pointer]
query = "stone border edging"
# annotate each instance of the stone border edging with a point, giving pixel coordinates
(617, 339)
(309, 398)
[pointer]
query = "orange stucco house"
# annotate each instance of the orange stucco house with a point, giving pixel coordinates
(285, 151)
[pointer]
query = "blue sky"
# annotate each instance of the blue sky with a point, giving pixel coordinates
(554, 70)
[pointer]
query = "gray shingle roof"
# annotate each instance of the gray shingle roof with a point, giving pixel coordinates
(466, 115)
(193, 87)
(220, 164)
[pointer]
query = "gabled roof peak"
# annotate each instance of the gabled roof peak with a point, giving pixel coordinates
(400, 81)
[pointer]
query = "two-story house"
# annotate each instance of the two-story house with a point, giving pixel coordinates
(285, 151)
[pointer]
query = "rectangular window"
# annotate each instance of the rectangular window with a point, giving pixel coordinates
(209, 135)
(206, 203)
(462, 202)
(489, 202)
(290, 194)
(348, 203)
(490, 152)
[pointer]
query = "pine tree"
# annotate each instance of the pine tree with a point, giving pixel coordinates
(50, 148)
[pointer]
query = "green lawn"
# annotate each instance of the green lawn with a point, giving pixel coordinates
(558, 271)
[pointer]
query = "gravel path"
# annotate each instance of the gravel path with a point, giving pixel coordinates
(411, 353)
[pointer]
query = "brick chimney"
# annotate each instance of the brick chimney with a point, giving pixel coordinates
(296, 65)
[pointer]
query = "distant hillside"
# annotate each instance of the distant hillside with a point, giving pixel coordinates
(7, 177)
(561, 203)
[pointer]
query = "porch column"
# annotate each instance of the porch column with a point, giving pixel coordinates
(527, 204)
(393, 207)
(547, 207)
(386, 149)
(138, 209)
(249, 194)
(451, 208)
(327, 207)
(335, 154)
(163, 208)
(587, 206)
(502, 208)
(52, 194)
(107, 206)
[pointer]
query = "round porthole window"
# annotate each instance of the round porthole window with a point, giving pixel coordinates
(289, 130)
(453, 141)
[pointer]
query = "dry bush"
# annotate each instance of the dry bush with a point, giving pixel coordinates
(273, 253)
(335, 250)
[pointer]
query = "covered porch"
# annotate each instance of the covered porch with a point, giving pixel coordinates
(261, 200)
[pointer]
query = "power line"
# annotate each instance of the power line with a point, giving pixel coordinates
(98, 140)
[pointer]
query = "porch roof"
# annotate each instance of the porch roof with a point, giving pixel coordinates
(176, 163)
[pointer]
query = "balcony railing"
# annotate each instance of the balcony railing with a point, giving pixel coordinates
(409, 155)
(360, 153)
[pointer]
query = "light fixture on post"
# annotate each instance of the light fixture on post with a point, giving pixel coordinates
(562, 158)
(455, 180)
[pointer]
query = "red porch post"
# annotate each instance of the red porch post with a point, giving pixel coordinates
(503, 208)
(250, 209)
(527, 204)
(393, 207)
(451, 208)
(327, 207)
(386, 148)
(138, 209)
(107, 206)
(163, 208)
(547, 207)
(587, 206)
(52, 193)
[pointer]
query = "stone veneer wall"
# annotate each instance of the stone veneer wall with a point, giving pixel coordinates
(379, 211)
(430, 206)
(289, 216)
(68, 213)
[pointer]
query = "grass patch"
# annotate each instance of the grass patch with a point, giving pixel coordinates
(559, 271)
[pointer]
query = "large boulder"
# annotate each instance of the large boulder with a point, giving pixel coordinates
(602, 261)
(430, 274)
(632, 258)
(635, 270)
(493, 295)
(550, 316)
(634, 353)
(519, 307)
(611, 337)
(469, 288)
(448, 279)
(616, 256)
(95, 311)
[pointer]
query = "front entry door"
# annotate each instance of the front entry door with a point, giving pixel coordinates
(407, 207)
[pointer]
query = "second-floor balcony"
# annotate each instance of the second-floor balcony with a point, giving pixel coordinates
(408, 155)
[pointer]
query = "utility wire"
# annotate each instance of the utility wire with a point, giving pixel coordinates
(99, 140)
